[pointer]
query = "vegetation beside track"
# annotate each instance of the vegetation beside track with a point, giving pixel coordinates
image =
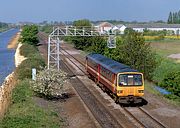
(133, 51)
(24, 111)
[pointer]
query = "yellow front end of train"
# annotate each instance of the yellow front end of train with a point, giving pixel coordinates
(130, 87)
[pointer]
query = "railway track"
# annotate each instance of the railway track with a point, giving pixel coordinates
(141, 118)
(102, 115)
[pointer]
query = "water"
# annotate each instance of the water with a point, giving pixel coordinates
(162, 91)
(6, 55)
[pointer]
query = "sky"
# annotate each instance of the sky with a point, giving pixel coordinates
(14, 11)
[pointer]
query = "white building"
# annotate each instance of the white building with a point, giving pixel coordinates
(119, 28)
(155, 27)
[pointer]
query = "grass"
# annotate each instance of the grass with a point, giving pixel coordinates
(166, 48)
(172, 99)
(34, 60)
(24, 113)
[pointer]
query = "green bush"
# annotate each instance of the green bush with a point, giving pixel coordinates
(24, 70)
(28, 50)
(164, 67)
(167, 75)
(22, 92)
(29, 35)
(171, 82)
(34, 60)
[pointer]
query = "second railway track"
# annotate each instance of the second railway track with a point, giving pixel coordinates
(102, 115)
(138, 116)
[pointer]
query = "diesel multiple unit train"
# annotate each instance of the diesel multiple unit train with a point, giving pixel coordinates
(125, 84)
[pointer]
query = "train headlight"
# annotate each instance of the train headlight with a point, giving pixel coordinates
(120, 91)
(141, 91)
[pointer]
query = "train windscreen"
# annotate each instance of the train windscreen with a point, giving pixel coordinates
(130, 80)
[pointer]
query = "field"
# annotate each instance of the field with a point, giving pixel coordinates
(166, 48)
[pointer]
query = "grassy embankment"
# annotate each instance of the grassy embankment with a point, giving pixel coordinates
(24, 111)
(169, 45)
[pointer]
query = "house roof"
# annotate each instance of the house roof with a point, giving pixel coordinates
(120, 25)
(110, 64)
(105, 24)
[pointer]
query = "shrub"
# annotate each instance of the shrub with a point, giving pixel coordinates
(49, 83)
(24, 70)
(172, 82)
(28, 50)
(29, 35)
(164, 67)
(22, 92)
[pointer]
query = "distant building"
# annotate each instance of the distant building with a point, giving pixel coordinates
(119, 28)
(155, 27)
(104, 27)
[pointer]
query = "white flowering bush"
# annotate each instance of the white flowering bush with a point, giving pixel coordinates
(49, 83)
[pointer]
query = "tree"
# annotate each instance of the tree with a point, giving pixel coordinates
(138, 54)
(97, 44)
(29, 35)
(115, 53)
(174, 18)
(81, 42)
(170, 21)
(83, 23)
(179, 17)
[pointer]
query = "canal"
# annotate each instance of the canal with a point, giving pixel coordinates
(6, 55)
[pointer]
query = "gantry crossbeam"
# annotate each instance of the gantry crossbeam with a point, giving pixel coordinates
(58, 32)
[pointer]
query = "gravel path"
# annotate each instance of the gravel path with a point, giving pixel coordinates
(174, 56)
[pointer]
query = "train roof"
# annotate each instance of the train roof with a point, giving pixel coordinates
(110, 64)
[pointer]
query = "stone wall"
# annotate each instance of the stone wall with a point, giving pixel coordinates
(8, 84)
(5, 93)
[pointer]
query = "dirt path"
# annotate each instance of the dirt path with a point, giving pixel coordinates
(175, 56)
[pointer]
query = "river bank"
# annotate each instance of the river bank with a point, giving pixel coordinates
(10, 81)
(14, 41)
(7, 63)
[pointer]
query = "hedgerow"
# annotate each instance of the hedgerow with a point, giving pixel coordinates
(171, 82)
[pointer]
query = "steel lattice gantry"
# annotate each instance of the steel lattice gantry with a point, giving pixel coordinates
(58, 32)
